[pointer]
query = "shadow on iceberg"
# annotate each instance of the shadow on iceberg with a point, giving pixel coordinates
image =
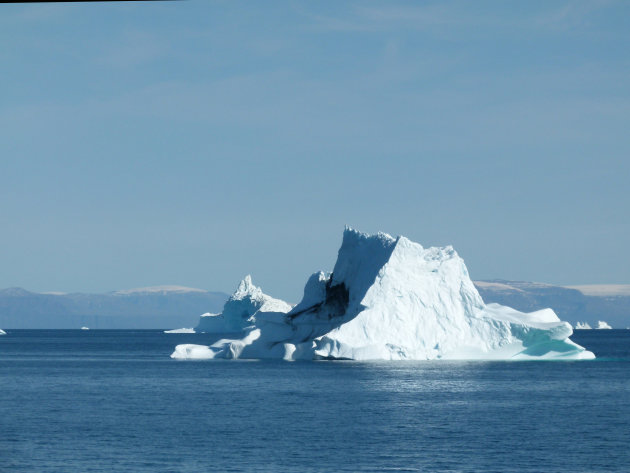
(387, 298)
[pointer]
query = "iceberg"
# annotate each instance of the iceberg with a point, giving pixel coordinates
(85, 328)
(386, 299)
(2, 332)
(180, 330)
(582, 326)
(601, 325)
(241, 310)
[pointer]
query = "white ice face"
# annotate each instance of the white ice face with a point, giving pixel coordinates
(387, 298)
(241, 310)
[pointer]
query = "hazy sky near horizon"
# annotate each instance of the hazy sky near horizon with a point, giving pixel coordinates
(195, 142)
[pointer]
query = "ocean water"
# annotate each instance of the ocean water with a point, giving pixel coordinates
(103, 401)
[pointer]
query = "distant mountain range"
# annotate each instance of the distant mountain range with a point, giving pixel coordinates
(178, 306)
(589, 303)
(149, 307)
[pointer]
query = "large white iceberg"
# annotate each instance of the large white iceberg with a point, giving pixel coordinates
(388, 298)
(2, 332)
(602, 325)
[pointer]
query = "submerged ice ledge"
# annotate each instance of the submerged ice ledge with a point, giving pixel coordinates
(386, 299)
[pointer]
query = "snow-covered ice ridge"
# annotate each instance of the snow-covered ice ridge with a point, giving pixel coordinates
(386, 299)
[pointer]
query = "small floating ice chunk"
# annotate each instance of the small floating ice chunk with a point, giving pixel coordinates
(192, 352)
(2, 332)
(85, 328)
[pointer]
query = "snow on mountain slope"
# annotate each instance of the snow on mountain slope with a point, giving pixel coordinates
(390, 298)
(603, 290)
(496, 286)
(157, 289)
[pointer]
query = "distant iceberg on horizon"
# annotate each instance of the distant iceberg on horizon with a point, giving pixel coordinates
(180, 330)
(386, 299)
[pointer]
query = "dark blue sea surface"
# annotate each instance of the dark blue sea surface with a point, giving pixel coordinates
(113, 401)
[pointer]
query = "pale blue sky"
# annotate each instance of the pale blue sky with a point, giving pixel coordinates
(194, 142)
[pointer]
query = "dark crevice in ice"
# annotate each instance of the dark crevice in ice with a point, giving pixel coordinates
(335, 304)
